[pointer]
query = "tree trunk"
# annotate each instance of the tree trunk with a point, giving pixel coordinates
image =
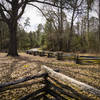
(71, 32)
(99, 25)
(13, 39)
(88, 28)
(61, 27)
(0, 40)
(71, 28)
(88, 22)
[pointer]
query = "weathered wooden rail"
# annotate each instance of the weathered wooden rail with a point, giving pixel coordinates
(56, 86)
(59, 78)
(87, 60)
(64, 56)
(58, 55)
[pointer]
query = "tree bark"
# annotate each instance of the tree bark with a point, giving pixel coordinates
(0, 40)
(71, 31)
(88, 26)
(61, 27)
(99, 24)
(12, 25)
(13, 39)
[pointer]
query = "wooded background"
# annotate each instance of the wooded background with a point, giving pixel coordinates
(79, 34)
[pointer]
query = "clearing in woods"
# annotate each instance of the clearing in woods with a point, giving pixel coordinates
(25, 65)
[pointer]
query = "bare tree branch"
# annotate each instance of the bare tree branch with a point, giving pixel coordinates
(4, 9)
(3, 15)
(80, 4)
(23, 8)
(43, 14)
(44, 2)
(39, 10)
(9, 1)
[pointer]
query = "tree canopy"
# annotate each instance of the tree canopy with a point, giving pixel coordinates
(58, 33)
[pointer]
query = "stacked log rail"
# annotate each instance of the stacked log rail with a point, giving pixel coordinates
(18, 83)
(87, 60)
(59, 55)
(56, 86)
(41, 53)
(65, 56)
(62, 87)
(37, 80)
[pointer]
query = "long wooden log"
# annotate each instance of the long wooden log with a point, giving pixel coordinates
(39, 97)
(22, 85)
(72, 93)
(66, 79)
(56, 95)
(66, 87)
(61, 91)
(32, 94)
(45, 97)
(3, 85)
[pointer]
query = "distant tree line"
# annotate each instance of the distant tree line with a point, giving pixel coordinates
(80, 33)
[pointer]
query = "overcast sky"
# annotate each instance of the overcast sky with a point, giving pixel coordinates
(35, 16)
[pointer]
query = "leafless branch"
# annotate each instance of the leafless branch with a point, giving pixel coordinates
(3, 15)
(4, 9)
(23, 8)
(45, 2)
(9, 1)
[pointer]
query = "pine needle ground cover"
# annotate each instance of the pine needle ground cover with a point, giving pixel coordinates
(25, 65)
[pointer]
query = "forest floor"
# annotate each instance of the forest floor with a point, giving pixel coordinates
(12, 68)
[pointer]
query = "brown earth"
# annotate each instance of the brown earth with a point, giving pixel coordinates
(12, 68)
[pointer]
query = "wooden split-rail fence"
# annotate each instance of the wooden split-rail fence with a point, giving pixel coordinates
(65, 56)
(56, 86)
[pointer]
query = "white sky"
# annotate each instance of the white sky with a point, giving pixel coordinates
(35, 16)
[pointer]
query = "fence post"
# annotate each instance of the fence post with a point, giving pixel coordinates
(77, 59)
(49, 54)
(59, 56)
(42, 53)
(35, 53)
